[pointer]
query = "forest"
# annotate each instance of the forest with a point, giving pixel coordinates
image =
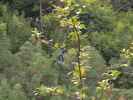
(66, 49)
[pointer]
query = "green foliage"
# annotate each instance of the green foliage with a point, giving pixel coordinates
(42, 90)
(127, 93)
(98, 54)
(17, 28)
(7, 92)
(7, 59)
(52, 27)
(106, 31)
(19, 31)
(92, 58)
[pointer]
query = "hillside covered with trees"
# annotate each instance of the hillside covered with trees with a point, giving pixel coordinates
(66, 49)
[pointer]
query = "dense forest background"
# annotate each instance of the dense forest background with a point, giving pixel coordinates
(66, 49)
